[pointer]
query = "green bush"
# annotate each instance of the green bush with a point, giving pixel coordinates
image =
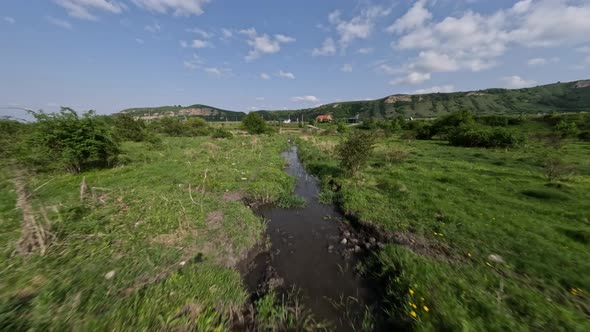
(71, 142)
(478, 136)
(447, 123)
(128, 128)
(254, 124)
(176, 127)
(355, 151)
(10, 134)
(567, 128)
(222, 133)
(424, 131)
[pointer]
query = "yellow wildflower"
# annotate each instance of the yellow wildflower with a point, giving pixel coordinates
(426, 308)
(414, 306)
(411, 291)
(488, 264)
(469, 254)
(413, 314)
(422, 299)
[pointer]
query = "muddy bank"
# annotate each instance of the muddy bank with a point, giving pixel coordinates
(313, 250)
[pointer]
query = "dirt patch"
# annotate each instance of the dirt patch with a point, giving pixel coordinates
(423, 246)
(232, 196)
(214, 219)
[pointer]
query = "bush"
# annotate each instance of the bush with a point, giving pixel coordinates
(447, 123)
(10, 135)
(222, 133)
(424, 131)
(584, 136)
(355, 151)
(129, 129)
(71, 142)
(476, 136)
(254, 124)
(567, 128)
(173, 126)
(556, 169)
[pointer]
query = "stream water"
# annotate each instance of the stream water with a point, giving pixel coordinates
(308, 252)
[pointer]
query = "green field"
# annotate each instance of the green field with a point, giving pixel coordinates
(481, 240)
(477, 239)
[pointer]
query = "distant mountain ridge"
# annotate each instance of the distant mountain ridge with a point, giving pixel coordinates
(557, 97)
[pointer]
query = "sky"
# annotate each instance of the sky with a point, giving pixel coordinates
(108, 55)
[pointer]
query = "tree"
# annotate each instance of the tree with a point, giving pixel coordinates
(254, 124)
(355, 151)
(128, 128)
(72, 142)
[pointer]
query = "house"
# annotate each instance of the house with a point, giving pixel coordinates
(287, 121)
(324, 118)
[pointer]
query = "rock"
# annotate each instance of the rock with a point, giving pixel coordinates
(346, 234)
(355, 241)
(344, 241)
(367, 245)
(496, 258)
(182, 263)
(380, 245)
(373, 240)
(357, 248)
(109, 275)
(330, 248)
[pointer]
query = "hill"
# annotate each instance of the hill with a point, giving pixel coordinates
(557, 97)
(207, 112)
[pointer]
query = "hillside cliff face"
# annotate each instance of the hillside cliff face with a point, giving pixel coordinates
(557, 97)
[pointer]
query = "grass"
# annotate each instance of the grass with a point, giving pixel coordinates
(159, 225)
(457, 206)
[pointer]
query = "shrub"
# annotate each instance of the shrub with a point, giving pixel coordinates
(447, 123)
(567, 128)
(222, 133)
(129, 129)
(254, 124)
(477, 136)
(10, 135)
(556, 169)
(173, 126)
(72, 142)
(197, 127)
(355, 151)
(424, 131)
(584, 136)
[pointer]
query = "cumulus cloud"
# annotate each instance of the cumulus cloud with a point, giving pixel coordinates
(435, 89)
(517, 82)
(358, 27)
(176, 7)
(387, 69)
(473, 41)
(81, 9)
(286, 74)
(9, 20)
(197, 43)
(226, 33)
(411, 78)
(265, 76)
(347, 68)
(193, 63)
(59, 23)
(263, 44)
(306, 99)
(328, 48)
(204, 34)
(415, 17)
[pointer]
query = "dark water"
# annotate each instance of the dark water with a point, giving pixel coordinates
(306, 251)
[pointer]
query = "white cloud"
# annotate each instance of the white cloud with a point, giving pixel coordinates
(81, 9)
(193, 63)
(153, 28)
(432, 61)
(226, 33)
(177, 7)
(365, 50)
(415, 17)
(358, 27)
(412, 78)
(435, 89)
(197, 43)
(265, 76)
(537, 62)
(59, 23)
(347, 68)
(183, 44)
(204, 34)
(9, 20)
(386, 69)
(263, 44)
(517, 82)
(139, 41)
(286, 74)
(306, 99)
(328, 48)
(218, 72)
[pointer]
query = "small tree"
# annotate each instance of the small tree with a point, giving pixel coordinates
(567, 129)
(254, 124)
(73, 142)
(128, 128)
(355, 151)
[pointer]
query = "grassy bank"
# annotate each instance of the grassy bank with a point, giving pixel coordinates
(152, 246)
(481, 240)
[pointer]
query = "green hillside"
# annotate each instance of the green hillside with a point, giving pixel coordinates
(207, 112)
(558, 97)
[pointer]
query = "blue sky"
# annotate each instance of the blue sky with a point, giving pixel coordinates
(269, 54)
